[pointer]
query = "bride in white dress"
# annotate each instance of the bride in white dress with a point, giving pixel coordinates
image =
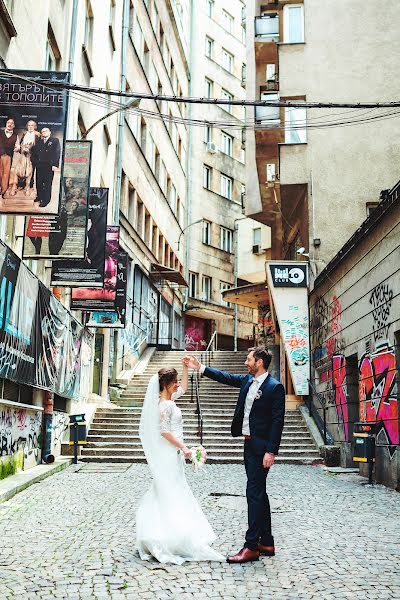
(170, 524)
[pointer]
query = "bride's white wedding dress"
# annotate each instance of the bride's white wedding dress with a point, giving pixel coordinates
(170, 524)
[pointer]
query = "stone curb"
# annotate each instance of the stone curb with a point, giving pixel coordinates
(12, 485)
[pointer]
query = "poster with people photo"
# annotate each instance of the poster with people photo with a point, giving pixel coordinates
(64, 235)
(88, 272)
(89, 299)
(114, 318)
(32, 132)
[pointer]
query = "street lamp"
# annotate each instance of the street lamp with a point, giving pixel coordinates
(131, 104)
(184, 229)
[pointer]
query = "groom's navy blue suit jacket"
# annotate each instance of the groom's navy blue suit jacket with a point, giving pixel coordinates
(267, 413)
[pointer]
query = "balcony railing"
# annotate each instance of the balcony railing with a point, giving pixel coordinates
(267, 28)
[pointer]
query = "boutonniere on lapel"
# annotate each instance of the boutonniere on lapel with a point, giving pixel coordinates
(50, 143)
(258, 395)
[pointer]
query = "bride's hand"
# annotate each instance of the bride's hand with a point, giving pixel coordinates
(186, 452)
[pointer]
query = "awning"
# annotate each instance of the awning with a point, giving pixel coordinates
(247, 295)
(160, 273)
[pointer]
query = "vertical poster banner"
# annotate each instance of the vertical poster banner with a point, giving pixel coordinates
(32, 131)
(64, 235)
(90, 271)
(89, 299)
(114, 318)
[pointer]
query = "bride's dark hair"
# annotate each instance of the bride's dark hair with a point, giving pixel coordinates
(167, 376)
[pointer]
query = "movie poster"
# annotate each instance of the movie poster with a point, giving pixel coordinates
(40, 341)
(89, 299)
(90, 271)
(32, 131)
(114, 318)
(64, 235)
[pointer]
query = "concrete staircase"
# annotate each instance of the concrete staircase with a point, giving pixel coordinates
(113, 436)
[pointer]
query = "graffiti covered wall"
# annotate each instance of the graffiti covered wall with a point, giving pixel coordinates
(355, 338)
(21, 429)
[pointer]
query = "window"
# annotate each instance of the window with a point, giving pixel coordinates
(151, 153)
(293, 23)
(225, 239)
(226, 143)
(371, 206)
(208, 134)
(208, 88)
(50, 61)
(206, 288)
(227, 60)
(172, 198)
(111, 25)
(227, 21)
(226, 186)
(257, 236)
(222, 287)
(207, 172)
(88, 38)
(131, 19)
(209, 47)
(207, 233)
(193, 284)
(210, 8)
(295, 126)
(227, 96)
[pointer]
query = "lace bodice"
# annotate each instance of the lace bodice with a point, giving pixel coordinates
(171, 416)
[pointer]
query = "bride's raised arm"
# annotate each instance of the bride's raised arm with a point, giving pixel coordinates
(185, 376)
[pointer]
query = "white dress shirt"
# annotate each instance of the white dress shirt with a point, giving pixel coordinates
(251, 394)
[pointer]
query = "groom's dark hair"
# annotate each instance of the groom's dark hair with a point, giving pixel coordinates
(166, 376)
(261, 353)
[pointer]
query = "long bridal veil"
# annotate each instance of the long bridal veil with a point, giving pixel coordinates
(170, 524)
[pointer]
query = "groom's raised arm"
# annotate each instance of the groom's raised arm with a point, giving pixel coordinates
(220, 376)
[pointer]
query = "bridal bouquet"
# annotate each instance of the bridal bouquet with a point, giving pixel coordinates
(199, 456)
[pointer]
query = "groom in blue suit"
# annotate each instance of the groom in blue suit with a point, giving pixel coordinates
(259, 418)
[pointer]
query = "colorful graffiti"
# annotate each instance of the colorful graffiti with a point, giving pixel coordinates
(339, 392)
(381, 300)
(378, 392)
(266, 328)
(20, 429)
(294, 329)
(326, 329)
(60, 424)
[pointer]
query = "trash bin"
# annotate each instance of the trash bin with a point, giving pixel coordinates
(77, 433)
(364, 445)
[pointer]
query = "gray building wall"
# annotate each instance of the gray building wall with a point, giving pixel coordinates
(355, 335)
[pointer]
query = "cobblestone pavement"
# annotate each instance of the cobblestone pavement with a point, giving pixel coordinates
(73, 536)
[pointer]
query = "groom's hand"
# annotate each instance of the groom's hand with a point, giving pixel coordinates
(268, 460)
(192, 362)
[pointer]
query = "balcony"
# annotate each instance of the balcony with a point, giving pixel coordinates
(268, 115)
(267, 28)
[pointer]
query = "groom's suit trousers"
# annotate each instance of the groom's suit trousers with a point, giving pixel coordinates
(259, 512)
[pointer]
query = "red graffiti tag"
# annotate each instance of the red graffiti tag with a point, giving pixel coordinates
(378, 401)
(338, 382)
(296, 342)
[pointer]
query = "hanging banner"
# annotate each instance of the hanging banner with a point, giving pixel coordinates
(117, 317)
(287, 283)
(32, 132)
(90, 271)
(89, 299)
(64, 235)
(40, 341)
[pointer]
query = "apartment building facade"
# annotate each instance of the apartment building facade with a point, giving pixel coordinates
(216, 176)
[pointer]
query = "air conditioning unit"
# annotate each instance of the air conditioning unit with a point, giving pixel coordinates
(257, 249)
(212, 148)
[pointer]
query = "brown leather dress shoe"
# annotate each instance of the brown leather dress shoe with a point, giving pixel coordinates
(244, 555)
(266, 550)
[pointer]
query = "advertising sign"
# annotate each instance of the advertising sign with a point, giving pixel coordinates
(89, 299)
(117, 317)
(64, 235)
(293, 275)
(32, 131)
(40, 341)
(88, 272)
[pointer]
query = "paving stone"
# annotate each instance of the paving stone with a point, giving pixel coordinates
(73, 537)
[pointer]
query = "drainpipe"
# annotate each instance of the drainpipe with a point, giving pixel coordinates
(71, 61)
(47, 456)
(188, 218)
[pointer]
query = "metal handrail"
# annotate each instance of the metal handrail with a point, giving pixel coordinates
(194, 381)
(208, 353)
(320, 423)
